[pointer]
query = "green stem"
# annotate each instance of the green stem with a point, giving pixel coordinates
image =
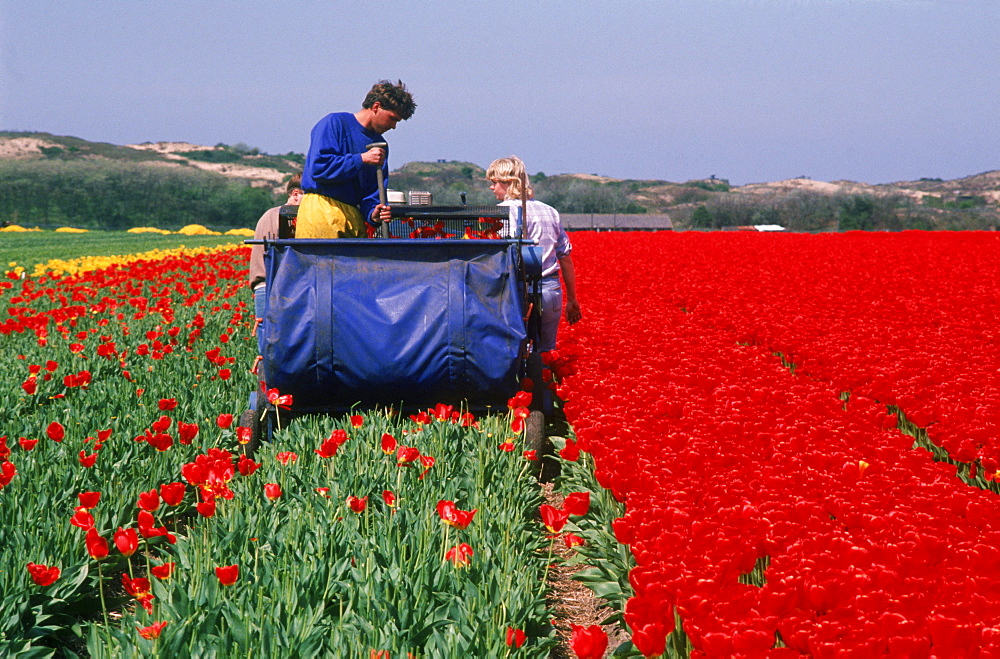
(100, 584)
(543, 582)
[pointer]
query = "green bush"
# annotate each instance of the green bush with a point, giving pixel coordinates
(217, 155)
(121, 195)
(702, 218)
(710, 185)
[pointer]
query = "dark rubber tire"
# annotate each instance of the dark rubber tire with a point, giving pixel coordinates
(535, 435)
(251, 419)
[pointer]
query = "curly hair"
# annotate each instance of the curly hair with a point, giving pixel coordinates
(391, 96)
(509, 171)
(294, 183)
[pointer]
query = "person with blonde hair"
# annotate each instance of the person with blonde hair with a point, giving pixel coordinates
(542, 225)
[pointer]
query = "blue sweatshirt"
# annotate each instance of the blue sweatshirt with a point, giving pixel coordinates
(333, 165)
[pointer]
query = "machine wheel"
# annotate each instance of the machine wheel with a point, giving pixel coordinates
(534, 426)
(534, 432)
(251, 419)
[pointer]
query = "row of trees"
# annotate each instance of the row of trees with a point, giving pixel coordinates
(116, 194)
(811, 211)
(121, 195)
(447, 181)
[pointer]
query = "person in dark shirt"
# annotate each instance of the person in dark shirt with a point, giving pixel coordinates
(339, 179)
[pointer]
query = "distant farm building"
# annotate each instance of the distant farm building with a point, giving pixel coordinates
(615, 222)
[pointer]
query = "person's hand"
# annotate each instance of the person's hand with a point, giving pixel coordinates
(573, 314)
(381, 214)
(374, 156)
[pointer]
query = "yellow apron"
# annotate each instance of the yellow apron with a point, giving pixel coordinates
(325, 217)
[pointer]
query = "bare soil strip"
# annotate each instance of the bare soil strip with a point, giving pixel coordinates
(572, 602)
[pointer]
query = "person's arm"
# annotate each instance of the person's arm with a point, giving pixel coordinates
(328, 160)
(267, 228)
(573, 314)
(371, 206)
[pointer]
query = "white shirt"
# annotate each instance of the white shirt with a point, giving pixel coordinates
(545, 228)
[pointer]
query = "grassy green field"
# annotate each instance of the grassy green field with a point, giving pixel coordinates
(30, 248)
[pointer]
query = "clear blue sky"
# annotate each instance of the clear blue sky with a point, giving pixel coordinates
(749, 90)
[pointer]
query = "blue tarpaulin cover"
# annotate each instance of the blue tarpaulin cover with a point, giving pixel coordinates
(408, 322)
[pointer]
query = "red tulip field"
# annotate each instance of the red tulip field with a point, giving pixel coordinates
(742, 395)
(781, 445)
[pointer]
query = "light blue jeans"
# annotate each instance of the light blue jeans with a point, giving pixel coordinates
(551, 311)
(259, 307)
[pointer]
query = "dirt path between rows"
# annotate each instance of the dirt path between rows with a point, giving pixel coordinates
(572, 602)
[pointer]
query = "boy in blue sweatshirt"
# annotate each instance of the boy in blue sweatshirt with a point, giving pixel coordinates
(339, 179)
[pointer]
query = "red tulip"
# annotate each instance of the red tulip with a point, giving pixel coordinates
(246, 466)
(357, 504)
(27, 444)
(515, 637)
(163, 571)
(161, 441)
(428, 462)
(153, 631)
(224, 421)
(577, 503)
(161, 424)
(97, 546)
(332, 444)
(82, 519)
(140, 589)
(272, 491)
(88, 500)
(357, 420)
(167, 404)
(570, 452)
(388, 444)
(87, 461)
(286, 457)
(442, 412)
(43, 575)
(452, 516)
(127, 541)
(389, 498)
(149, 500)
(55, 431)
(172, 493)
(228, 575)
(406, 455)
(147, 529)
(553, 518)
(206, 508)
(520, 399)
(277, 399)
(186, 432)
(572, 540)
(459, 555)
(651, 639)
(507, 446)
(588, 642)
